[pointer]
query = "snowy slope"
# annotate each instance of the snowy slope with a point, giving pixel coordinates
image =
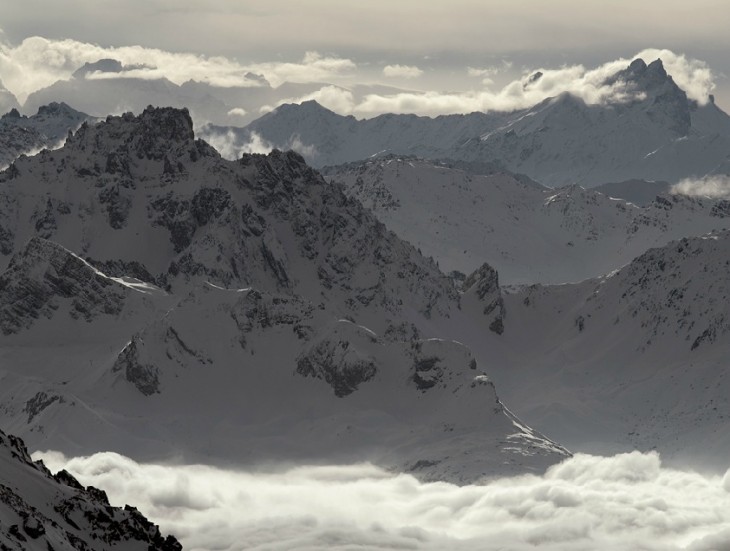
(28, 135)
(655, 134)
(326, 138)
(40, 511)
(660, 135)
(634, 359)
(161, 301)
(639, 192)
(528, 233)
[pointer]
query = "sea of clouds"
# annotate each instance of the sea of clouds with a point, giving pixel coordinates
(628, 501)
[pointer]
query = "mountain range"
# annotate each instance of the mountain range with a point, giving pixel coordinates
(165, 302)
(652, 132)
(529, 233)
(321, 332)
(49, 127)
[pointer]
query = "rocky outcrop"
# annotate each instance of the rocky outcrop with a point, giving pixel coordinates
(143, 375)
(45, 276)
(41, 511)
(483, 285)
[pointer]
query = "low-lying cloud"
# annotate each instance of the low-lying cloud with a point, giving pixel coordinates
(629, 501)
(715, 187)
(229, 145)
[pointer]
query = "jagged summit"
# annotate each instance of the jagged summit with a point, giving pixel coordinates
(40, 511)
(57, 109)
(20, 134)
(12, 114)
(103, 65)
(153, 133)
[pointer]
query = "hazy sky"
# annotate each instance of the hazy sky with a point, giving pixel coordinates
(429, 45)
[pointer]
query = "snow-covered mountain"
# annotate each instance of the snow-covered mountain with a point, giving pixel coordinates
(637, 358)
(326, 138)
(28, 135)
(161, 301)
(657, 135)
(40, 511)
(529, 233)
(639, 192)
(654, 132)
(107, 86)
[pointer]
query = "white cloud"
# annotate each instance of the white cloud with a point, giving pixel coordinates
(628, 501)
(230, 147)
(694, 76)
(715, 187)
(334, 98)
(402, 71)
(237, 112)
(39, 62)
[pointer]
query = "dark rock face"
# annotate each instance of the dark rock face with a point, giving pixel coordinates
(22, 135)
(45, 275)
(332, 361)
(668, 103)
(484, 284)
(59, 509)
(144, 376)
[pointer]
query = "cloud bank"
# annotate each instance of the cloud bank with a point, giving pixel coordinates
(629, 501)
(693, 76)
(38, 62)
(715, 187)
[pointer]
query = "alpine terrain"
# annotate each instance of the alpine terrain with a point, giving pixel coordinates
(40, 511)
(650, 131)
(163, 302)
(48, 128)
(529, 233)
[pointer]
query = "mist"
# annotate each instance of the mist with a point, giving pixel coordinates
(628, 501)
(714, 187)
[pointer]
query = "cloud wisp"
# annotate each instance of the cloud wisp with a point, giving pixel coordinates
(629, 501)
(402, 71)
(714, 187)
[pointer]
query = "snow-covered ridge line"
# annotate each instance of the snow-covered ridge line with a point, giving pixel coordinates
(40, 511)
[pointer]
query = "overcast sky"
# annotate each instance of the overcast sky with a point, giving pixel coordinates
(429, 45)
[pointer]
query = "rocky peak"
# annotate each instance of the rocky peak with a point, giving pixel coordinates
(103, 65)
(56, 109)
(637, 67)
(12, 114)
(42, 511)
(167, 123)
(483, 287)
(666, 102)
(153, 134)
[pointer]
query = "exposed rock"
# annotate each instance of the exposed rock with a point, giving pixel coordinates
(56, 512)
